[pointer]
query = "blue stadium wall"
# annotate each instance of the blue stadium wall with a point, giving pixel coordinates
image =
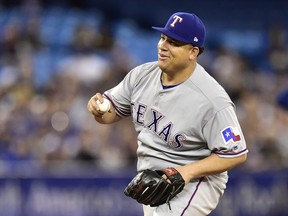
(263, 194)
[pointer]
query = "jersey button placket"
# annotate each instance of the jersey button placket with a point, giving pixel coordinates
(158, 101)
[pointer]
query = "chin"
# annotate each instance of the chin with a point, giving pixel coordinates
(162, 66)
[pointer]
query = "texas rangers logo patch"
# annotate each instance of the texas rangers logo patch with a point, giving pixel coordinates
(231, 133)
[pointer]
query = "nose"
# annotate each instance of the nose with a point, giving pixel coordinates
(162, 44)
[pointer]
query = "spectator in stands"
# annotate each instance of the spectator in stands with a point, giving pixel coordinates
(282, 99)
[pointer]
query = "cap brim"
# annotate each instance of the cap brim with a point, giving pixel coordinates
(170, 34)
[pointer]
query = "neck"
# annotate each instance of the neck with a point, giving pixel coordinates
(177, 77)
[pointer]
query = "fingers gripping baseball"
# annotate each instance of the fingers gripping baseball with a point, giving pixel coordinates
(155, 187)
(98, 105)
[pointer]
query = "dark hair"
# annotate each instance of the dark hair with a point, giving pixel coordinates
(201, 50)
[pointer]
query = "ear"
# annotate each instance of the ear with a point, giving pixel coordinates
(194, 52)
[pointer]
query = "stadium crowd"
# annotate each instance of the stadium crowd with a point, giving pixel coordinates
(45, 87)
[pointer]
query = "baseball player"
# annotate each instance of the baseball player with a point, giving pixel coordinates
(188, 132)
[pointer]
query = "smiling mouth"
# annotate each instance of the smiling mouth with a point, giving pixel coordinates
(162, 57)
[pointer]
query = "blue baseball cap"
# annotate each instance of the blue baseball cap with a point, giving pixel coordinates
(185, 27)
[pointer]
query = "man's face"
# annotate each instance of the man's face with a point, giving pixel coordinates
(173, 55)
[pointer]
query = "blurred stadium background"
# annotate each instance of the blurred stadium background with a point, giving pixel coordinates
(54, 55)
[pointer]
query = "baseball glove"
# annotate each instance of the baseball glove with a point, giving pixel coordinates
(155, 187)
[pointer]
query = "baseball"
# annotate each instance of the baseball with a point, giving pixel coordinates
(105, 106)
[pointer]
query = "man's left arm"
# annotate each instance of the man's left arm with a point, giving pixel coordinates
(211, 165)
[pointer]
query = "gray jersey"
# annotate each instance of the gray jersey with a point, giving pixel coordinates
(178, 125)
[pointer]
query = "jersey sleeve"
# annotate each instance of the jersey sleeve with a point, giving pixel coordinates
(120, 95)
(224, 135)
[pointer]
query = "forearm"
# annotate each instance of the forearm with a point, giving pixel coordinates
(209, 166)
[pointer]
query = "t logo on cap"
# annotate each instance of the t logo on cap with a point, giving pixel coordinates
(176, 19)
